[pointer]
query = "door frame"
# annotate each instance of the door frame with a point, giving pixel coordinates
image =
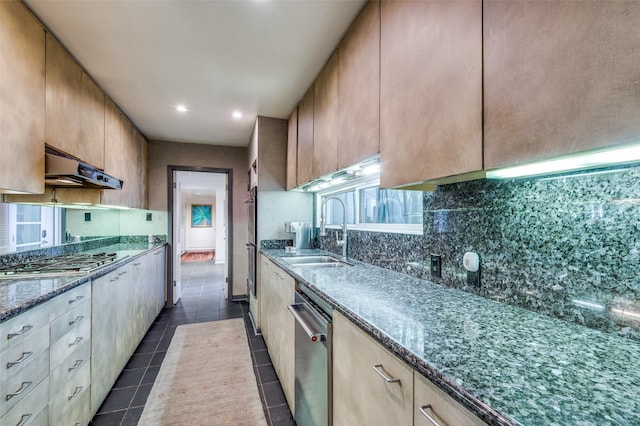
(229, 192)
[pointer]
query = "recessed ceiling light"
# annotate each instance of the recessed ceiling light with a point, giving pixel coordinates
(181, 108)
(236, 114)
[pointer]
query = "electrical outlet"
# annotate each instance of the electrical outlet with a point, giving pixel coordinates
(473, 278)
(436, 265)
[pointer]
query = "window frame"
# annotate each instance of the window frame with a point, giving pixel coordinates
(361, 184)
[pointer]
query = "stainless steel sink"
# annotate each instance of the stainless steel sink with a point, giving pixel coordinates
(314, 261)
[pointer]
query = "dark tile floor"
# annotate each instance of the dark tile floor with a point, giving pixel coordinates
(202, 300)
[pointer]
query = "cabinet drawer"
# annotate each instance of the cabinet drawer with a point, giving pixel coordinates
(72, 320)
(61, 304)
(78, 412)
(29, 410)
(68, 393)
(70, 342)
(18, 386)
(15, 330)
(69, 367)
(433, 403)
(21, 355)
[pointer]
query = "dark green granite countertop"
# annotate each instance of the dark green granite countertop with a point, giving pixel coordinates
(19, 295)
(506, 364)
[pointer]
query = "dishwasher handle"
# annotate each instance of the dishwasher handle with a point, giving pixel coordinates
(314, 335)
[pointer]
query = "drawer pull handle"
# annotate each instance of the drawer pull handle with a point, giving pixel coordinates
(77, 365)
(24, 419)
(24, 356)
(433, 421)
(77, 319)
(75, 342)
(122, 273)
(380, 370)
(76, 393)
(76, 299)
(24, 387)
(137, 264)
(19, 333)
(114, 279)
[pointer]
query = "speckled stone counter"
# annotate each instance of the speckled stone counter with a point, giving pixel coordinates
(506, 364)
(19, 295)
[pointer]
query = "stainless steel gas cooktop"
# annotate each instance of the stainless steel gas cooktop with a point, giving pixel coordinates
(65, 264)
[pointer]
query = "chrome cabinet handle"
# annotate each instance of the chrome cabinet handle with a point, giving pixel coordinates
(77, 319)
(137, 264)
(75, 342)
(76, 299)
(380, 370)
(76, 393)
(24, 387)
(24, 356)
(114, 279)
(78, 364)
(122, 273)
(24, 419)
(19, 333)
(433, 421)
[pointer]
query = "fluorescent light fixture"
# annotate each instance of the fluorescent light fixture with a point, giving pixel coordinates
(624, 313)
(236, 114)
(369, 170)
(588, 305)
(589, 160)
(181, 108)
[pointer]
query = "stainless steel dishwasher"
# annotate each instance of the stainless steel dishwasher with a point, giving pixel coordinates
(313, 361)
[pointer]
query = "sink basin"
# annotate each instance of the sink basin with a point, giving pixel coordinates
(298, 260)
(314, 261)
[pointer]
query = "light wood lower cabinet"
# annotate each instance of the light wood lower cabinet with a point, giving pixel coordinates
(370, 385)
(124, 305)
(278, 325)
(431, 403)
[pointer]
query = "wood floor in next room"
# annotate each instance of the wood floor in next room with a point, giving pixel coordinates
(202, 300)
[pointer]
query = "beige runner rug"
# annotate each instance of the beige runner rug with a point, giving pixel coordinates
(206, 378)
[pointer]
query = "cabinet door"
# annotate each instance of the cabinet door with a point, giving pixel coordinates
(305, 138)
(361, 396)
(91, 113)
(74, 107)
(140, 181)
(430, 90)
(278, 325)
(560, 77)
(292, 150)
(114, 161)
(359, 88)
(22, 88)
(325, 119)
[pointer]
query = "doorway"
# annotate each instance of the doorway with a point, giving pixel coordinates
(200, 228)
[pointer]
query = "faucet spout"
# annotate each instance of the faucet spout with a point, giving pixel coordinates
(341, 243)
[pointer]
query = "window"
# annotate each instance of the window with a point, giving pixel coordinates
(373, 209)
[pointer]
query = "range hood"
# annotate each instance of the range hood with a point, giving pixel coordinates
(61, 170)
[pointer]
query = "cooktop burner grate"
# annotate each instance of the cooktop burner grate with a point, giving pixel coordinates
(58, 265)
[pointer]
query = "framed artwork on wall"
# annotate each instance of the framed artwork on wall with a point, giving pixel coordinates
(201, 216)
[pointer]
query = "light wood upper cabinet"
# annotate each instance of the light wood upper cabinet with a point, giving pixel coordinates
(292, 151)
(74, 107)
(560, 77)
(430, 90)
(359, 88)
(114, 160)
(325, 119)
(140, 180)
(305, 138)
(22, 93)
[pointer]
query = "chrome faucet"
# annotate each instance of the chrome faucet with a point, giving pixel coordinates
(341, 243)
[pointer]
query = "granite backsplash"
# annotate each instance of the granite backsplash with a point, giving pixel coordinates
(567, 247)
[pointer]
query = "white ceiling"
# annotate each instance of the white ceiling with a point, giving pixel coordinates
(201, 184)
(214, 56)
